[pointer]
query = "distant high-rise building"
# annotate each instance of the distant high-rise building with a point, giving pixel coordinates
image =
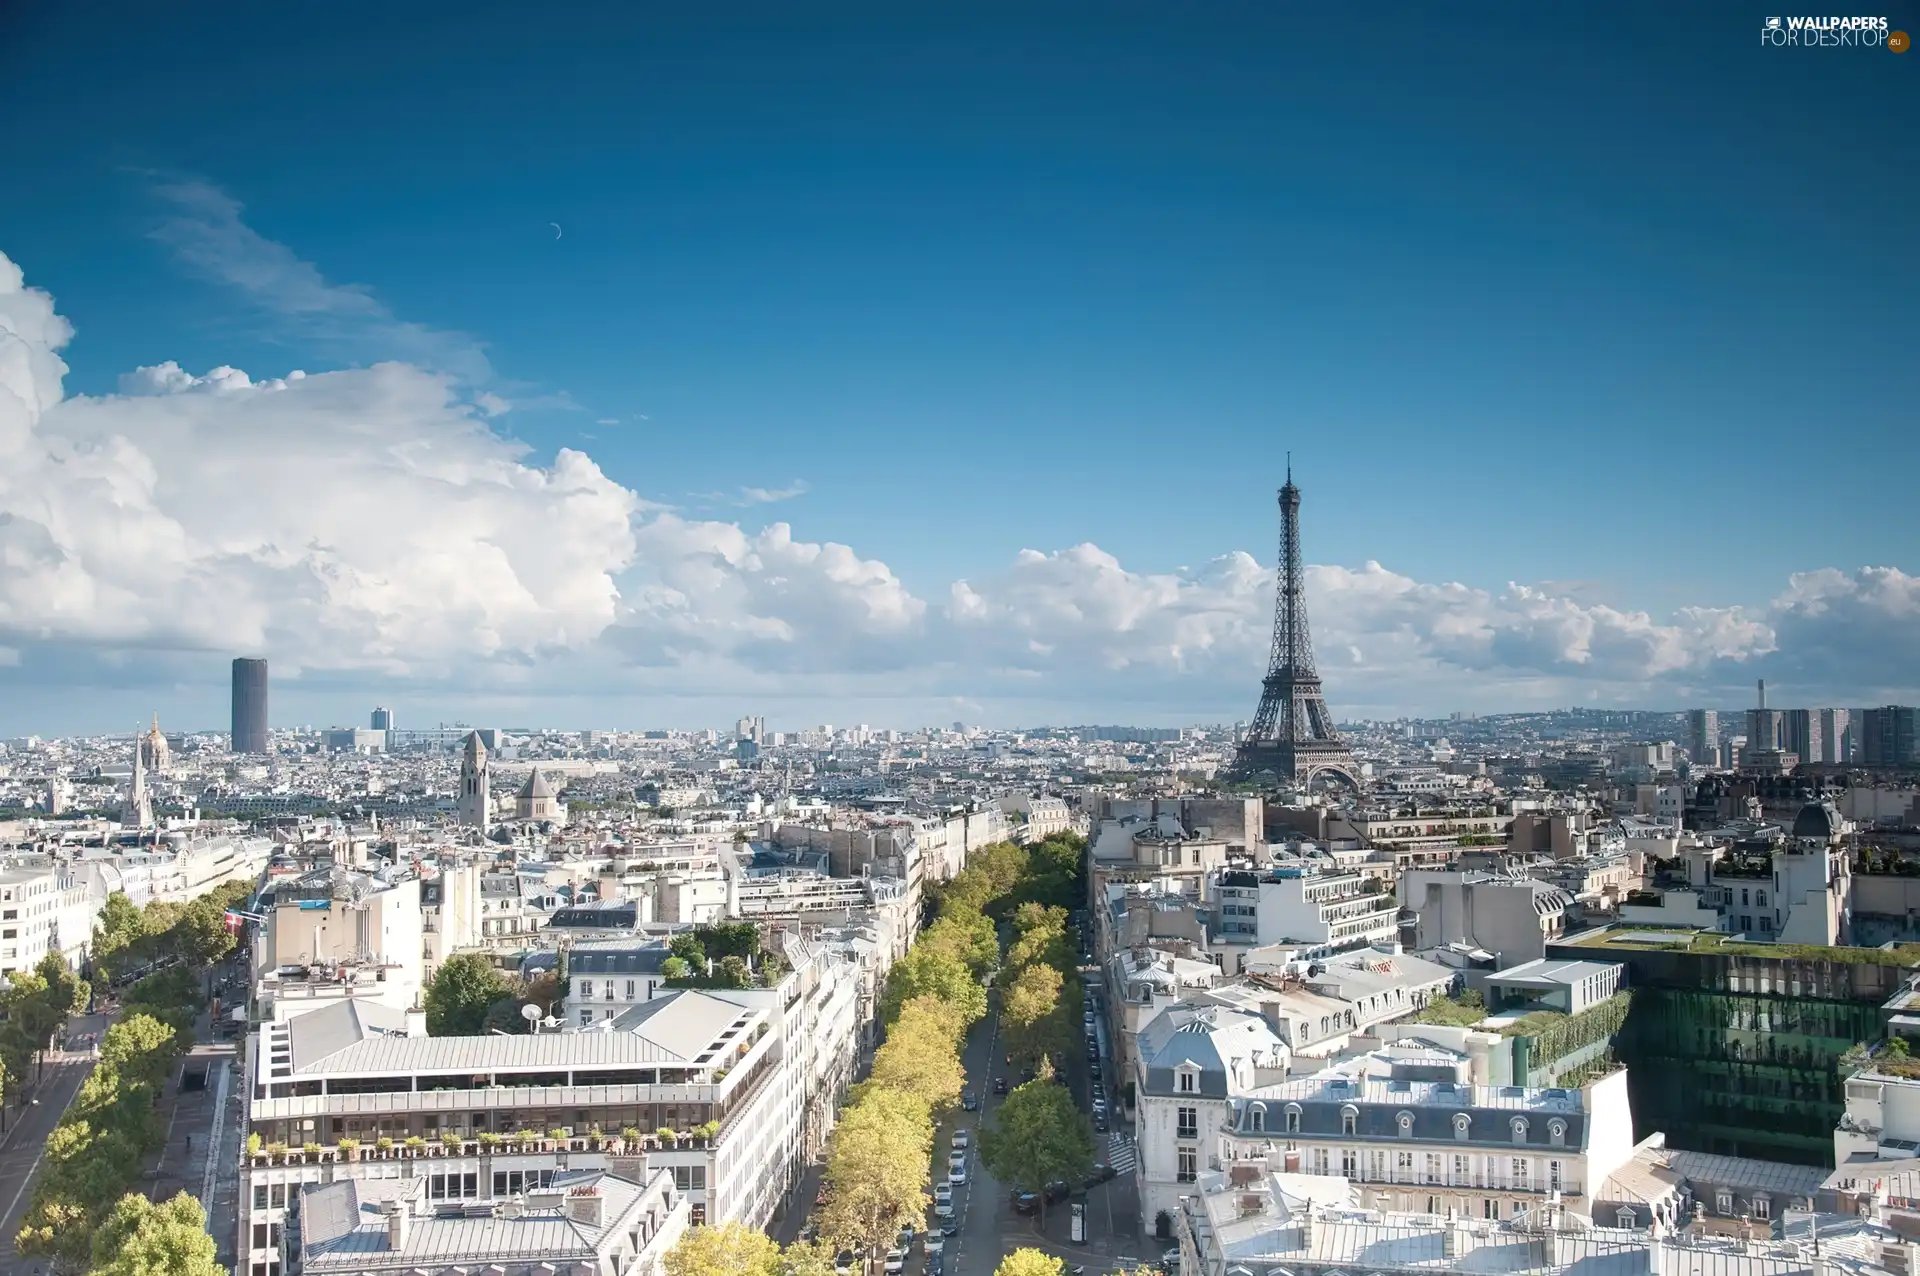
(1836, 734)
(1703, 737)
(1800, 734)
(1887, 736)
(1764, 726)
(249, 706)
(382, 720)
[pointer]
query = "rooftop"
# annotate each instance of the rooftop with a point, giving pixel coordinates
(1708, 942)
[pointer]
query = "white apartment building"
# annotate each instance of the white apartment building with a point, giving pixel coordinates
(585, 1223)
(342, 920)
(1297, 903)
(1423, 1144)
(1194, 1061)
(1515, 918)
(1881, 1121)
(43, 908)
(749, 1080)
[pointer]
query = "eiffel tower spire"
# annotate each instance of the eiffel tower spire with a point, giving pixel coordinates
(1292, 735)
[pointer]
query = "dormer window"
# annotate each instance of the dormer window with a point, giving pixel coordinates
(1519, 1129)
(1257, 1118)
(1557, 1131)
(1462, 1125)
(1405, 1123)
(1187, 1080)
(1293, 1118)
(1349, 1119)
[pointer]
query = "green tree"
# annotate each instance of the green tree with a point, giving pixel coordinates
(1037, 1137)
(919, 1057)
(676, 970)
(460, 993)
(731, 1249)
(140, 1238)
(118, 935)
(877, 1167)
(804, 1258)
(38, 1005)
(140, 1049)
(1030, 1262)
(925, 972)
(1030, 1015)
(968, 935)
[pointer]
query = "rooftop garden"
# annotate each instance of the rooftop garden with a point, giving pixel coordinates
(1709, 942)
(1463, 1011)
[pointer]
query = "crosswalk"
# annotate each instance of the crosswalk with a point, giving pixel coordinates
(1121, 1154)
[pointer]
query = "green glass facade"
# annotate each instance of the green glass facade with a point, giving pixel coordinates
(1736, 1054)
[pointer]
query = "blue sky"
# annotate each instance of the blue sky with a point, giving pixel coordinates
(1607, 302)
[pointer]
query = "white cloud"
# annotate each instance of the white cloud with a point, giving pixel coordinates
(360, 519)
(772, 495)
(369, 524)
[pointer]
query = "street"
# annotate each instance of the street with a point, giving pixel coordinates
(26, 1139)
(988, 1226)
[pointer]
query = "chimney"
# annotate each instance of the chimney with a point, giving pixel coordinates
(399, 1225)
(583, 1206)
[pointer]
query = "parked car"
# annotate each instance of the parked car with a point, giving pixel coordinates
(1102, 1173)
(843, 1263)
(970, 1101)
(999, 1085)
(1026, 1202)
(1057, 1191)
(935, 1243)
(1100, 1125)
(957, 1157)
(896, 1262)
(962, 1137)
(957, 1173)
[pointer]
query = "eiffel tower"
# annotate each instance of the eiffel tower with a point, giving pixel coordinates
(1293, 736)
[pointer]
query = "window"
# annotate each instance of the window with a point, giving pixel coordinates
(1553, 1176)
(1760, 898)
(1257, 1117)
(586, 1016)
(1349, 1118)
(1625, 1217)
(1433, 1167)
(1462, 1125)
(1519, 1125)
(1462, 1173)
(630, 985)
(1293, 1119)
(1350, 1163)
(1405, 1123)
(1189, 1165)
(1557, 1132)
(1520, 1168)
(259, 1235)
(278, 1199)
(1743, 896)
(1723, 1202)
(1762, 1207)
(1378, 1173)
(586, 987)
(259, 1196)
(1319, 1160)
(1188, 1124)
(1403, 1168)
(1186, 1085)
(1490, 1207)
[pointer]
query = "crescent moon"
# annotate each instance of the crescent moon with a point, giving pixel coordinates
(556, 229)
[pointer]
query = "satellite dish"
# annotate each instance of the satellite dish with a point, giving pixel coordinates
(530, 1012)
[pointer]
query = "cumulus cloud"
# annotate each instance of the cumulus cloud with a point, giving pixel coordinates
(373, 524)
(361, 519)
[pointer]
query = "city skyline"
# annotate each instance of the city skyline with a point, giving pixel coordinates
(975, 412)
